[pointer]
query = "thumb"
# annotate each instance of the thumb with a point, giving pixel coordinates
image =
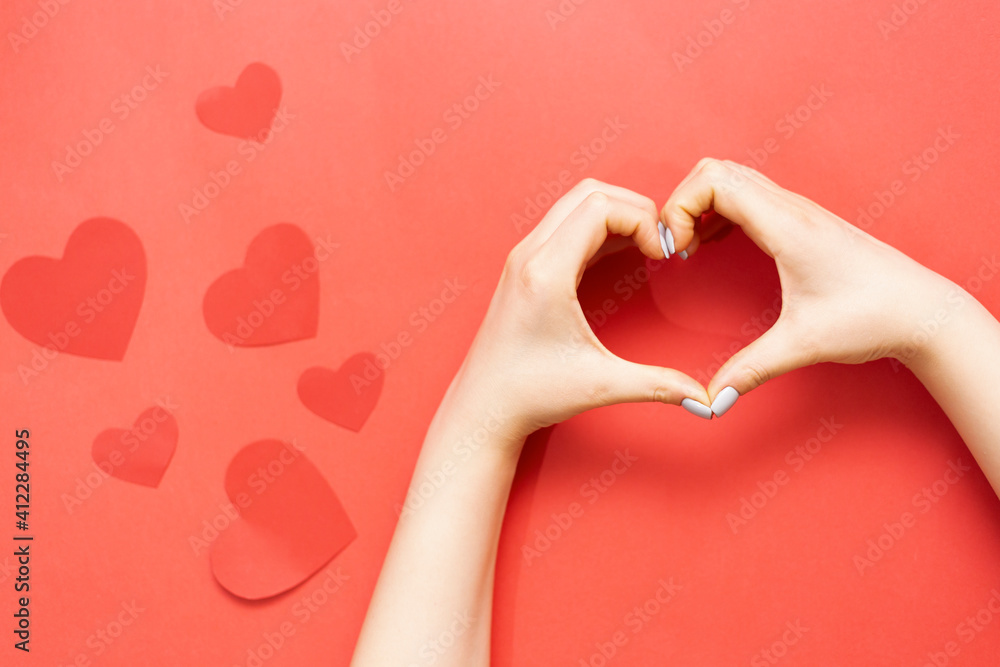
(629, 382)
(777, 351)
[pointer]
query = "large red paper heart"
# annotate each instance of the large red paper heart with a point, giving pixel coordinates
(291, 522)
(245, 110)
(87, 302)
(346, 396)
(274, 298)
(140, 454)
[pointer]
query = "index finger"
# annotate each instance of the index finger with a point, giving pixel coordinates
(732, 191)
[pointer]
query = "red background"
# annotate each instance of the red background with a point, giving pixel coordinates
(664, 518)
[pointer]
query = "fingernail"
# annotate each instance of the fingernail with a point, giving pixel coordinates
(668, 236)
(696, 408)
(683, 254)
(663, 241)
(725, 400)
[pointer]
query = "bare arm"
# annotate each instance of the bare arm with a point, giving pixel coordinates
(534, 362)
(847, 297)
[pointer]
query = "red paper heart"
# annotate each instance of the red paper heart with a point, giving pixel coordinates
(346, 396)
(291, 522)
(245, 110)
(274, 298)
(141, 454)
(87, 302)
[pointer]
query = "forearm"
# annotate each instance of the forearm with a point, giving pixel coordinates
(436, 585)
(959, 364)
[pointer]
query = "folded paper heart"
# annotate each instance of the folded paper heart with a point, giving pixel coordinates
(347, 396)
(141, 454)
(245, 110)
(273, 298)
(85, 303)
(291, 522)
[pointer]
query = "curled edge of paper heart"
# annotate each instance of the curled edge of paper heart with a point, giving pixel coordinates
(289, 523)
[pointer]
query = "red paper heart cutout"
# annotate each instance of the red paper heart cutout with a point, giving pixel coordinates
(245, 110)
(274, 298)
(346, 396)
(141, 454)
(291, 522)
(87, 302)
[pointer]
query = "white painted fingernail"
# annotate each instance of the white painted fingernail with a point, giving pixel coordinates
(663, 241)
(725, 400)
(669, 237)
(696, 408)
(683, 254)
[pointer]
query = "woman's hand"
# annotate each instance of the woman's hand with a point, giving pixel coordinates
(846, 296)
(535, 357)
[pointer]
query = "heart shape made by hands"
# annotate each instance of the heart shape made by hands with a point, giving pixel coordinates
(291, 522)
(273, 298)
(245, 110)
(141, 454)
(85, 303)
(346, 396)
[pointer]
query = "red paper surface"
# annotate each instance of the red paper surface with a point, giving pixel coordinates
(402, 197)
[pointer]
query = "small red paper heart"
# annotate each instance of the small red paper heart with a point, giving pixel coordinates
(87, 302)
(346, 396)
(291, 522)
(141, 454)
(274, 298)
(245, 110)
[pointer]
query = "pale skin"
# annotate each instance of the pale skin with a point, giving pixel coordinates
(846, 297)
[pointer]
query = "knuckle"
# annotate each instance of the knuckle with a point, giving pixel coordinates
(534, 274)
(756, 375)
(597, 200)
(710, 166)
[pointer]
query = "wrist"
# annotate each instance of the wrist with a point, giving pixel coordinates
(949, 323)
